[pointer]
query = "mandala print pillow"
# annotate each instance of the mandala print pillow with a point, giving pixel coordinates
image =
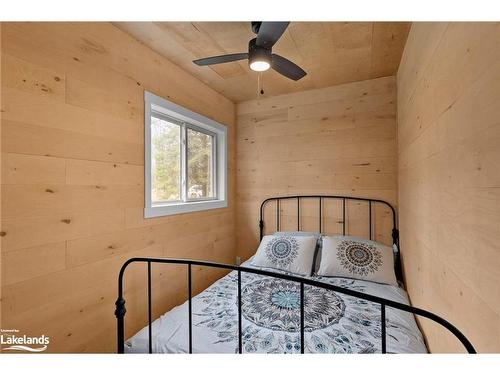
(356, 258)
(317, 253)
(288, 253)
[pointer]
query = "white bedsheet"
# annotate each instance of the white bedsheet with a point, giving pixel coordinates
(335, 323)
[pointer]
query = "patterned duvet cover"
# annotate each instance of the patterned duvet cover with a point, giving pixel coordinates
(334, 323)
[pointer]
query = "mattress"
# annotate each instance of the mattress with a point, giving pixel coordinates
(334, 322)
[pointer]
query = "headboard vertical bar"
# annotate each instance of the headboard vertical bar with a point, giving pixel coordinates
(277, 215)
(320, 214)
(298, 213)
(343, 216)
(370, 214)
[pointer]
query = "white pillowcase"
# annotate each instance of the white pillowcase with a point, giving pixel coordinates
(317, 252)
(286, 252)
(357, 258)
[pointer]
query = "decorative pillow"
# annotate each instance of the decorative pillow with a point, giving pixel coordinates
(317, 252)
(288, 253)
(353, 257)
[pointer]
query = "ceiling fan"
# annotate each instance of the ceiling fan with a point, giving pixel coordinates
(259, 55)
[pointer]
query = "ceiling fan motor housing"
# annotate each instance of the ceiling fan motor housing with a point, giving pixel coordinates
(256, 26)
(258, 53)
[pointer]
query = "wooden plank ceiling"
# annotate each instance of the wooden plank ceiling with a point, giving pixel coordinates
(331, 52)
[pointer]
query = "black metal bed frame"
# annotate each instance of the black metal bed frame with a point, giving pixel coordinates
(383, 302)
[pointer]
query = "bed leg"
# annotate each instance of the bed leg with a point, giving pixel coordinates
(190, 307)
(302, 301)
(240, 343)
(382, 319)
(120, 320)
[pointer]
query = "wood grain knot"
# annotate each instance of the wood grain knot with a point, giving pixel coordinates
(361, 164)
(90, 47)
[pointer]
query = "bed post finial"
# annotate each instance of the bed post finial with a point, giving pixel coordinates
(120, 320)
(397, 256)
(395, 236)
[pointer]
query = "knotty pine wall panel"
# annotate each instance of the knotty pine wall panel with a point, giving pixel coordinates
(449, 178)
(73, 185)
(336, 140)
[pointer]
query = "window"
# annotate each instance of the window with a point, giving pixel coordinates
(185, 159)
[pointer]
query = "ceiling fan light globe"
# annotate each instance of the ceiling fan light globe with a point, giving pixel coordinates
(259, 65)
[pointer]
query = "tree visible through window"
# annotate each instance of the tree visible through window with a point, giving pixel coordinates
(165, 161)
(200, 164)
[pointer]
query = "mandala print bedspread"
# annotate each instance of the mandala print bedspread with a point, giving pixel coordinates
(334, 323)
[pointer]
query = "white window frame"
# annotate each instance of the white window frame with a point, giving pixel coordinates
(155, 105)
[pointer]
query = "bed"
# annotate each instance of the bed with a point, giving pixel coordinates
(334, 323)
(256, 309)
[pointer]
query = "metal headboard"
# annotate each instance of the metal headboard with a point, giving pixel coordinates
(344, 199)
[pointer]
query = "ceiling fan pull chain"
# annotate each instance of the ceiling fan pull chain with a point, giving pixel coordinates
(260, 85)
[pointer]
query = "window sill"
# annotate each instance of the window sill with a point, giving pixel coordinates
(184, 207)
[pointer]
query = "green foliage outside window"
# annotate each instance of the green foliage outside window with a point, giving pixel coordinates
(199, 164)
(166, 162)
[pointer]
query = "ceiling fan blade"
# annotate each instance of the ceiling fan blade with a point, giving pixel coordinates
(287, 68)
(221, 59)
(270, 32)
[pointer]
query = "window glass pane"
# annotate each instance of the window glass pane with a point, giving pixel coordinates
(165, 161)
(199, 164)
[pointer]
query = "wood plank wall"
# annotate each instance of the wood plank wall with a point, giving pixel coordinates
(72, 183)
(449, 178)
(336, 140)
